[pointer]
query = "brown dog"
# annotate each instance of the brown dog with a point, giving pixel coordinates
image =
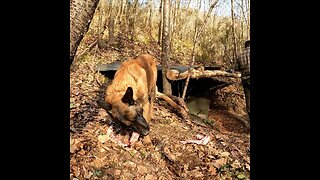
(129, 98)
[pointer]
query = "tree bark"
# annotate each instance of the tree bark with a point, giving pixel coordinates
(160, 22)
(166, 47)
(111, 23)
(122, 9)
(233, 31)
(248, 19)
(242, 20)
(101, 27)
(81, 14)
(173, 22)
(132, 18)
(149, 19)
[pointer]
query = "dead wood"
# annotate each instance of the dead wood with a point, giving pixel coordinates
(181, 109)
(194, 73)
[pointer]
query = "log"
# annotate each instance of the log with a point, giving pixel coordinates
(198, 73)
(180, 102)
(181, 109)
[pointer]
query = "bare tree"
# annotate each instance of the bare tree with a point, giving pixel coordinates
(101, 25)
(248, 19)
(121, 11)
(111, 22)
(149, 18)
(242, 19)
(132, 17)
(165, 55)
(160, 22)
(196, 36)
(81, 14)
(174, 12)
(233, 31)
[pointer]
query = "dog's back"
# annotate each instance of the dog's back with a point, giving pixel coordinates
(132, 92)
(140, 73)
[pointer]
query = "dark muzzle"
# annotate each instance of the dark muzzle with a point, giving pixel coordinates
(141, 126)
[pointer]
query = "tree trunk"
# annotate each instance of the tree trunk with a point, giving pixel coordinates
(101, 28)
(111, 23)
(150, 17)
(165, 47)
(188, 4)
(170, 24)
(242, 20)
(248, 19)
(160, 23)
(128, 9)
(174, 19)
(132, 18)
(122, 9)
(81, 14)
(233, 31)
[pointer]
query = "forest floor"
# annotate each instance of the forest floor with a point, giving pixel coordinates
(94, 156)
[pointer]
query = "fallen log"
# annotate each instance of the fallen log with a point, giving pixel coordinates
(174, 74)
(181, 109)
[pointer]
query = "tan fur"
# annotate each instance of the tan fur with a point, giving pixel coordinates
(140, 73)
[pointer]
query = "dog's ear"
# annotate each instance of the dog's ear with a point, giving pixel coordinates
(128, 96)
(106, 106)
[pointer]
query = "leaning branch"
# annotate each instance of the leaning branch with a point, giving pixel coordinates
(181, 109)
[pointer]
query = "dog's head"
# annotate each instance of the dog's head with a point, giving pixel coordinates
(127, 111)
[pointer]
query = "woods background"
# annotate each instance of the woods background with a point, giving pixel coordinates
(224, 32)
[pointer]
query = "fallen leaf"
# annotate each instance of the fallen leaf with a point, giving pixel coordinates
(241, 176)
(219, 162)
(82, 152)
(212, 170)
(74, 145)
(236, 164)
(202, 141)
(110, 171)
(76, 170)
(150, 177)
(103, 138)
(225, 154)
(129, 164)
(88, 174)
(248, 166)
(117, 172)
(196, 173)
(72, 105)
(142, 169)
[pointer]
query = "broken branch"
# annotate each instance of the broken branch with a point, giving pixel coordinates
(181, 110)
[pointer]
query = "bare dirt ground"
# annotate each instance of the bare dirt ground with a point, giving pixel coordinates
(94, 156)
